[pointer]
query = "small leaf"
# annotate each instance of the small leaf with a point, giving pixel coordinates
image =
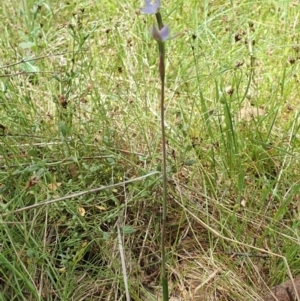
(62, 270)
(33, 153)
(81, 211)
(106, 235)
(243, 203)
(189, 162)
(101, 208)
(26, 45)
(128, 230)
(31, 253)
(62, 128)
(28, 67)
(54, 186)
(80, 253)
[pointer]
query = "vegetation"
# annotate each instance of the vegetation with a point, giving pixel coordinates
(80, 150)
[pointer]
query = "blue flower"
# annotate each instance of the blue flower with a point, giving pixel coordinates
(151, 7)
(160, 35)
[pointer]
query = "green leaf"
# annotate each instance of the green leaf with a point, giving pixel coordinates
(128, 230)
(105, 235)
(33, 153)
(189, 162)
(31, 253)
(63, 128)
(28, 67)
(26, 45)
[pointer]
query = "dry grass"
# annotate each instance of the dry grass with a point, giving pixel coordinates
(79, 111)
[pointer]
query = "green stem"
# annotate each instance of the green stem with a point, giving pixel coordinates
(161, 48)
(164, 169)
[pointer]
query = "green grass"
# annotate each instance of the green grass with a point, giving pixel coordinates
(79, 107)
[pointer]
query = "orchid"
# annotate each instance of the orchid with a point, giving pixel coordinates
(151, 7)
(160, 35)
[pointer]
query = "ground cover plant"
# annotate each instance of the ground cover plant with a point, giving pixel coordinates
(80, 150)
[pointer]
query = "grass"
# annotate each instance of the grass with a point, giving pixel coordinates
(79, 107)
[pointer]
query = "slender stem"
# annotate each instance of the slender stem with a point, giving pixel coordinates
(164, 168)
(161, 49)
